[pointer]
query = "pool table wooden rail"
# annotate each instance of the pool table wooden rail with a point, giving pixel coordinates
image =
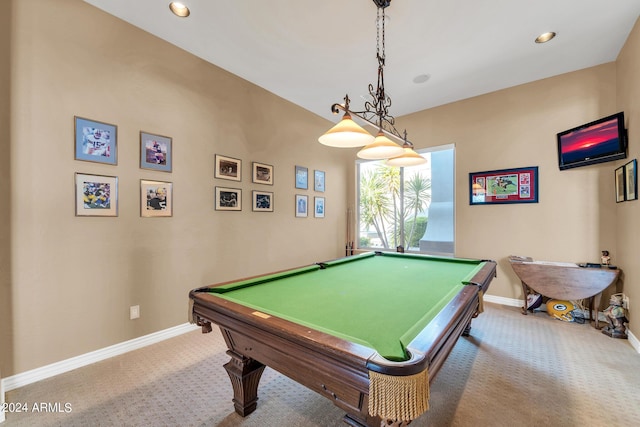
(326, 364)
(333, 367)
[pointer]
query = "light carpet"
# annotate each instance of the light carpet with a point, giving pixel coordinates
(513, 370)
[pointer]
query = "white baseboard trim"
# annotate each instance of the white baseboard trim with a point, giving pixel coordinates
(38, 374)
(511, 302)
(633, 341)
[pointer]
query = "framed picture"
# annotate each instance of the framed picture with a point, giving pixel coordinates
(96, 195)
(262, 201)
(155, 152)
(631, 179)
(318, 181)
(156, 198)
(95, 141)
(318, 209)
(620, 185)
(301, 206)
(504, 186)
(302, 177)
(228, 168)
(228, 199)
(262, 173)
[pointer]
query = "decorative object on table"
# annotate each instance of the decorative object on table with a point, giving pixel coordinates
(155, 152)
(301, 205)
(262, 173)
(318, 207)
(96, 195)
(228, 168)
(302, 177)
(620, 184)
(616, 317)
(504, 186)
(228, 199)
(318, 181)
(348, 133)
(95, 141)
(605, 259)
(156, 199)
(262, 201)
(631, 180)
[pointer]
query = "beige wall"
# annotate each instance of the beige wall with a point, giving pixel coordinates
(67, 282)
(627, 215)
(517, 128)
(576, 216)
(5, 179)
(73, 279)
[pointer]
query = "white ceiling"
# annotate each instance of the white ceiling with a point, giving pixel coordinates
(314, 52)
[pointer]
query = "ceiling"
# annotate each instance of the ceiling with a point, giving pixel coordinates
(312, 53)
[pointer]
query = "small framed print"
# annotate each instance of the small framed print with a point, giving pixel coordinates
(95, 141)
(228, 168)
(631, 179)
(96, 195)
(156, 198)
(262, 173)
(318, 181)
(228, 199)
(620, 184)
(301, 206)
(155, 152)
(302, 177)
(262, 201)
(318, 208)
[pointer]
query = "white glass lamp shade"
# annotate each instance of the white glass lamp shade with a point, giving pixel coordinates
(346, 134)
(409, 158)
(381, 148)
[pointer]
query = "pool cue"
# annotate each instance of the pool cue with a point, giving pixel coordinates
(351, 222)
(346, 245)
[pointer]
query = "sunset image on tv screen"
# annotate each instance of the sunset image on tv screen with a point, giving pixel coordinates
(592, 141)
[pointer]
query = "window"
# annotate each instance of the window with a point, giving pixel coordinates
(410, 207)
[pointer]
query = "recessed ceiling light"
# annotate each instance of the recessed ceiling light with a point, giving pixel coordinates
(545, 37)
(179, 9)
(421, 78)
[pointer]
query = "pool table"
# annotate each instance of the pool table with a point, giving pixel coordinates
(368, 331)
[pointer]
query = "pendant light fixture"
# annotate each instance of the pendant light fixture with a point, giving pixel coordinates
(347, 133)
(408, 158)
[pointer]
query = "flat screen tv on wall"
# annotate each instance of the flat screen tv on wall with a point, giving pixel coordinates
(603, 140)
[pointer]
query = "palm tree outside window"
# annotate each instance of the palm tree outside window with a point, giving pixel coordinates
(393, 203)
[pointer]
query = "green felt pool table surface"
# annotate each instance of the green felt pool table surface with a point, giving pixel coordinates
(381, 302)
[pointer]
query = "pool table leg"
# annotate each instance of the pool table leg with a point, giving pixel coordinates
(245, 375)
(467, 330)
